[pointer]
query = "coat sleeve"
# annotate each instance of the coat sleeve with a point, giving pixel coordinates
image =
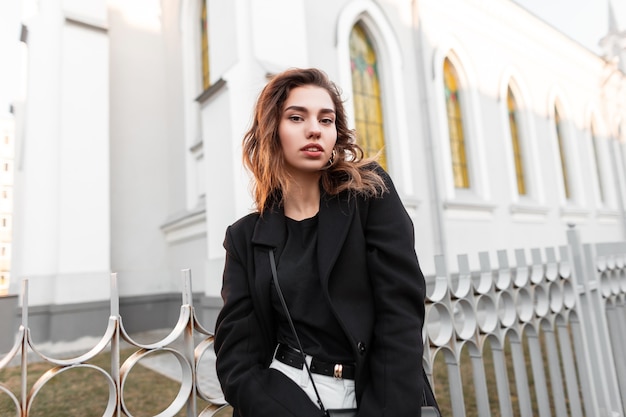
(395, 355)
(242, 359)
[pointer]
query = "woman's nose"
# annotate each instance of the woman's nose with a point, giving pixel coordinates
(314, 130)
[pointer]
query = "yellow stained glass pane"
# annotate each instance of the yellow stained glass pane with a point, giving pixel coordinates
(559, 138)
(460, 170)
(367, 97)
(517, 149)
(204, 46)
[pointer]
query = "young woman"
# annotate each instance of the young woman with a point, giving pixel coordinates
(344, 250)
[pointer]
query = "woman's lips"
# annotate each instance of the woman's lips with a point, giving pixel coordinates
(313, 150)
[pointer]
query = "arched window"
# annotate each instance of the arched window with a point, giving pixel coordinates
(596, 156)
(368, 111)
(455, 126)
(518, 156)
(204, 45)
(559, 138)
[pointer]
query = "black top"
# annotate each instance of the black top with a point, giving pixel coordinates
(318, 329)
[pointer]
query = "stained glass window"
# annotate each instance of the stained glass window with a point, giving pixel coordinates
(368, 112)
(559, 138)
(455, 126)
(594, 143)
(204, 46)
(518, 156)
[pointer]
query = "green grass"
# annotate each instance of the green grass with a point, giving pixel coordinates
(84, 392)
(442, 389)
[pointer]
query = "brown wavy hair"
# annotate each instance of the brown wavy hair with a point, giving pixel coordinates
(263, 155)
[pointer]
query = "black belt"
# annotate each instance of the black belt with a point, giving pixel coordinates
(292, 357)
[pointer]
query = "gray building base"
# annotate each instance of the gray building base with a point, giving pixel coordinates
(8, 322)
(66, 323)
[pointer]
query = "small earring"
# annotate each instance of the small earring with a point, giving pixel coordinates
(332, 157)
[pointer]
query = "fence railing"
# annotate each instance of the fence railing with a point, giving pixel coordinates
(189, 358)
(545, 337)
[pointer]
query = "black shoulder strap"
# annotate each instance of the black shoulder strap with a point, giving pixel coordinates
(293, 329)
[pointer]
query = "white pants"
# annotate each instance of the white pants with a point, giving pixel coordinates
(335, 393)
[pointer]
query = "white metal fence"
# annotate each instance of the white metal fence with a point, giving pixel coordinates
(189, 358)
(544, 337)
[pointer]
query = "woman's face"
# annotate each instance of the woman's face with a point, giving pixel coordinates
(307, 129)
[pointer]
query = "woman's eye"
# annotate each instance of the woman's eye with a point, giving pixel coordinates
(295, 118)
(327, 121)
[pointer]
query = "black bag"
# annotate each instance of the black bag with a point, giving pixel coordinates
(430, 411)
(427, 411)
(342, 412)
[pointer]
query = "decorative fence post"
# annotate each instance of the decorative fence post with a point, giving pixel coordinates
(611, 260)
(115, 343)
(600, 392)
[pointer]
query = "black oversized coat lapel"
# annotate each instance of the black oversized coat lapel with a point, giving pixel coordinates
(335, 217)
(269, 234)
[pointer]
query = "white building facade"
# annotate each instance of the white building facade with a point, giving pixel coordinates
(498, 130)
(7, 150)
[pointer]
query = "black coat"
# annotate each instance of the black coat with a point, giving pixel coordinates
(374, 285)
